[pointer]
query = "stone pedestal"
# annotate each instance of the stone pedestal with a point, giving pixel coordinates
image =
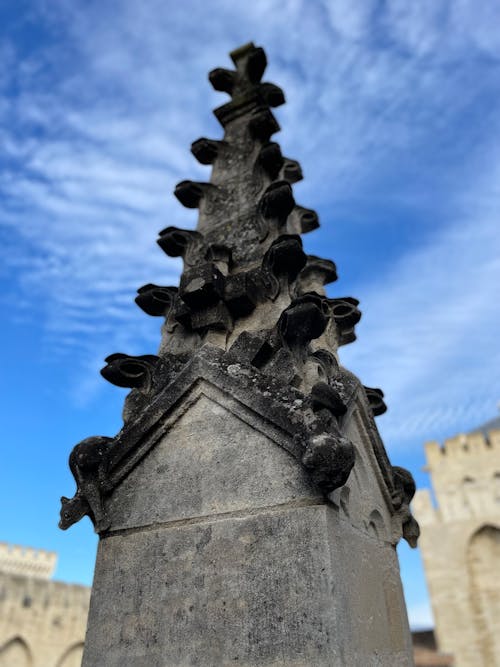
(222, 552)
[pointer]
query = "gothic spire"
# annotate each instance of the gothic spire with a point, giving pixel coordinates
(249, 298)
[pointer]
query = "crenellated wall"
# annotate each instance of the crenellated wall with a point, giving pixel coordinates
(42, 622)
(465, 474)
(460, 544)
(27, 561)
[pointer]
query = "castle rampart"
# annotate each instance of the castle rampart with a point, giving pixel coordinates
(42, 622)
(460, 544)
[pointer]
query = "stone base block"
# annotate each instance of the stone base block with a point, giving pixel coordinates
(292, 585)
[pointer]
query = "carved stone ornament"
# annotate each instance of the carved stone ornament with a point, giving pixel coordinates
(156, 300)
(376, 400)
(205, 150)
(250, 318)
(181, 243)
(329, 459)
(88, 463)
(278, 201)
(404, 490)
(304, 320)
(133, 372)
(346, 315)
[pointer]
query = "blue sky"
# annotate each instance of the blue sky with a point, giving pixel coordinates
(392, 110)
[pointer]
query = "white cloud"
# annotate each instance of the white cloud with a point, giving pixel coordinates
(419, 26)
(351, 19)
(476, 24)
(430, 328)
(100, 133)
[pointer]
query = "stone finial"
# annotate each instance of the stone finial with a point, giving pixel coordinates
(245, 87)
(248, 292)
(244, 415)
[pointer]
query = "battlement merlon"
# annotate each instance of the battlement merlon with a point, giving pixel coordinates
(464, 471)
(27, 561)
(461, 447)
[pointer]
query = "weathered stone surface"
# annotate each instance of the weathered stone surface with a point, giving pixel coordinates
(247, 510)
(216, 458)
(241, 560)
(297, 589)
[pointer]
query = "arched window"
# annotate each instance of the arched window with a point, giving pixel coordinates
(15, 653)
(483, 556)
(72, 657)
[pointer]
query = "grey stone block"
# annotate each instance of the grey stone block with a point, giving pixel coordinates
(290, 586)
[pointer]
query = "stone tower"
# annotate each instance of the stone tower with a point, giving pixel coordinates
(460, 544)
(247, 511)
(42, 622)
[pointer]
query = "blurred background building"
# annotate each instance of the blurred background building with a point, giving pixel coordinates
(460, 544)
(42, 622)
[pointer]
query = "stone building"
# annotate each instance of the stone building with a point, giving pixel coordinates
(460, 544)
(42, 622)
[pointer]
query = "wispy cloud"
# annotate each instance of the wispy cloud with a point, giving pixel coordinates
(388, 108)
(431, 325)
